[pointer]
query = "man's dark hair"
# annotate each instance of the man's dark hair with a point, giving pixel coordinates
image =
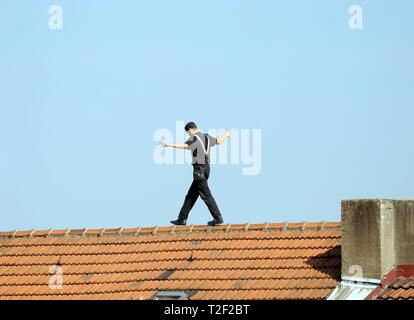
(190, 125)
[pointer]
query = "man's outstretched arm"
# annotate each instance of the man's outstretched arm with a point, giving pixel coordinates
(224, 137)
(174, 145)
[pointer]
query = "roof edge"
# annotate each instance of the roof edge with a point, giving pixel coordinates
(286, 226)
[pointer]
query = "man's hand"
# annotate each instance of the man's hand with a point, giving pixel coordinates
(224, 137)
(165, 144)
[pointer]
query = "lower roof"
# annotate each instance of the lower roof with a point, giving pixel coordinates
(258, 261)
(398, 284)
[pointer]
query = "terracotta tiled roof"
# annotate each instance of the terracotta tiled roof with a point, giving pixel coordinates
(401, 289)
(258, 261)
(398, 284)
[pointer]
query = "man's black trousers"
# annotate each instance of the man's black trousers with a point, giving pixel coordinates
(200, 188)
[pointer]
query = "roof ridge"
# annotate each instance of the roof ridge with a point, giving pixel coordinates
(156, 230)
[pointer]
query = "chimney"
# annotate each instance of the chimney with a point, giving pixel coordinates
(404, 232)
(377, 237)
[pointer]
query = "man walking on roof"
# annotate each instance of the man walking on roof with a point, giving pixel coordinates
(199, 143)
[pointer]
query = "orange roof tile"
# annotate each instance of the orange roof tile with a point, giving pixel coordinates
(397, 284)
(257, 261)
(401, 289)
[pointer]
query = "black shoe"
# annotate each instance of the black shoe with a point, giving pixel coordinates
(179, 222)
(215, 222)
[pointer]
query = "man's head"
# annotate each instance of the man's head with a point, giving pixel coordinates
(191, 128)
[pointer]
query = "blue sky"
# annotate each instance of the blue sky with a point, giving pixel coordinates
(79, 107)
